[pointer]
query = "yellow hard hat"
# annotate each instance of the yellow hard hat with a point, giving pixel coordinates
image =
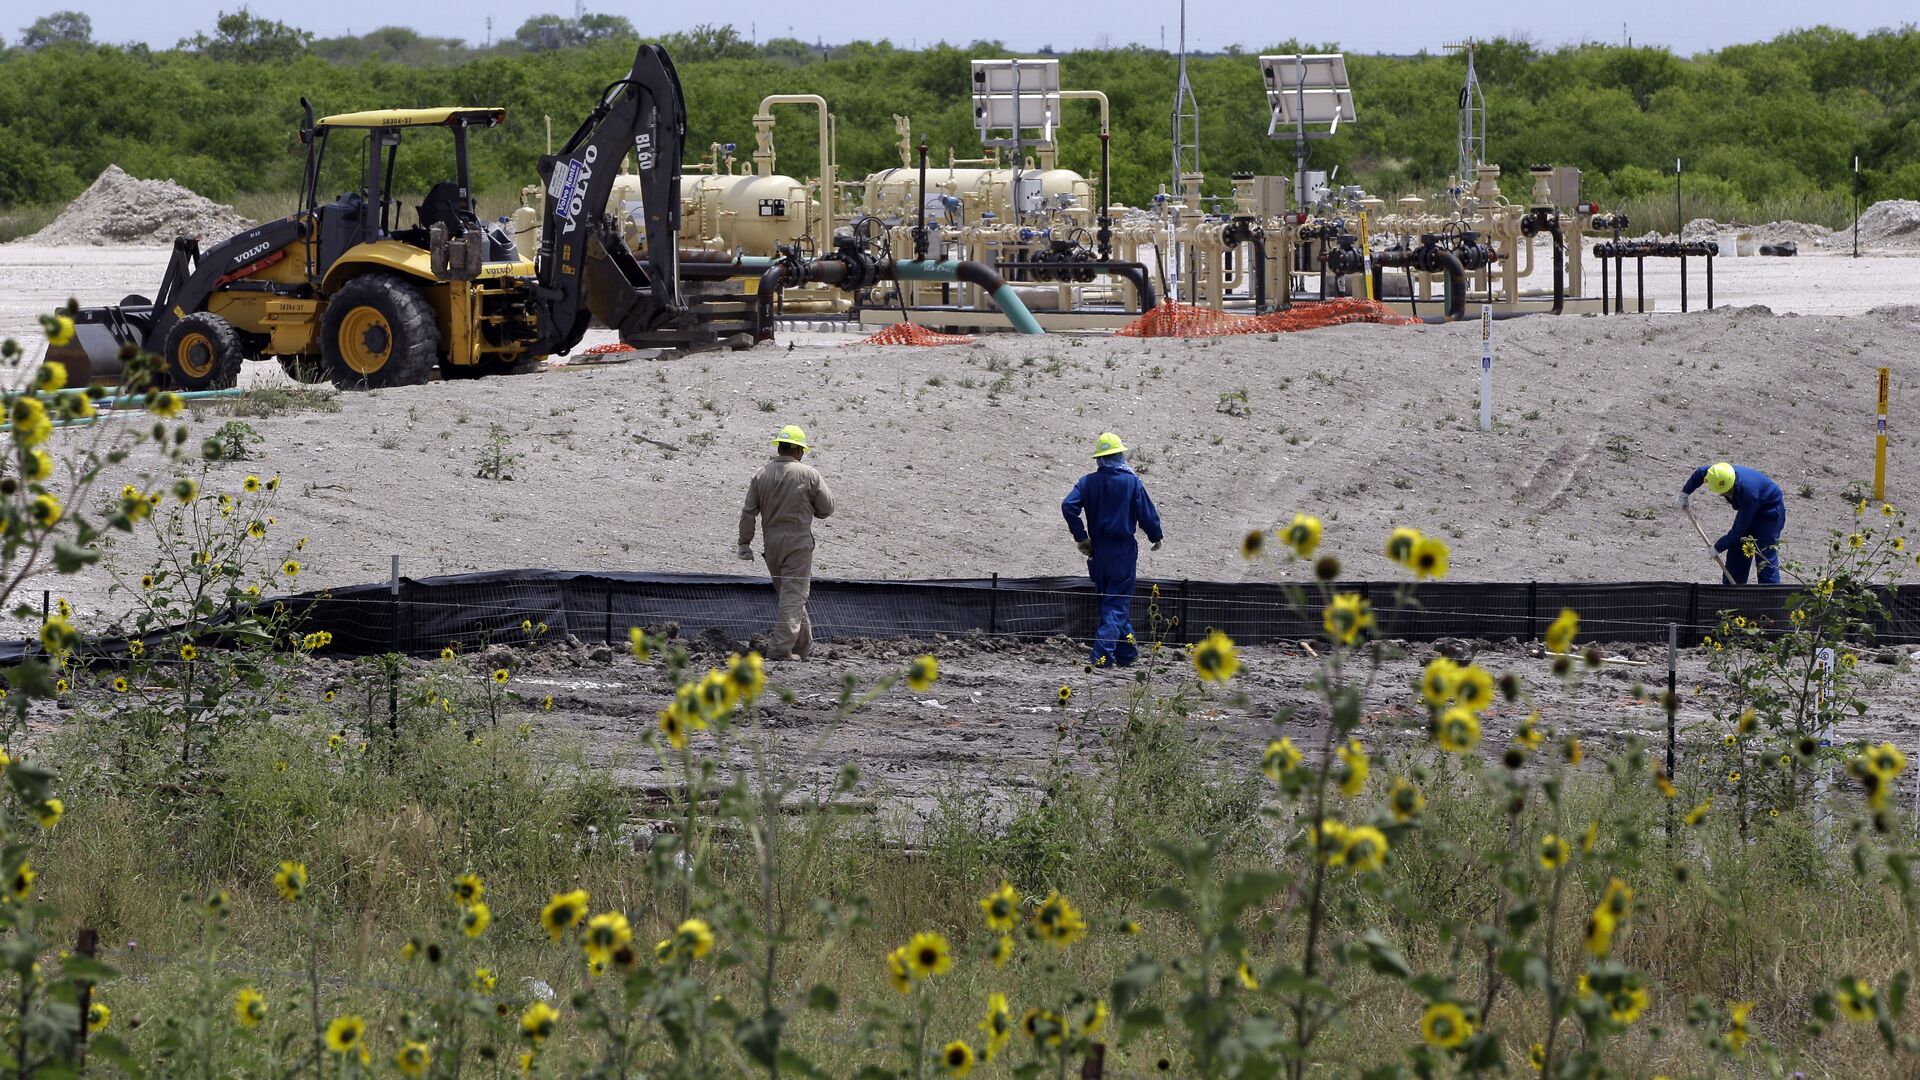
(1108, 443)
(791, 435)
(1720, 478)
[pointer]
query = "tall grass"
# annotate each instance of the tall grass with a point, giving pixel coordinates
(1655, 212)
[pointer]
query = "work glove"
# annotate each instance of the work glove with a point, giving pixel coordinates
(1085, 546)
(1680, 500)
(1155, 547)
(745, 551)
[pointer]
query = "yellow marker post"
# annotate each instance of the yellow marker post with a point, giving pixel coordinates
(1366, 257)
(1880, 444)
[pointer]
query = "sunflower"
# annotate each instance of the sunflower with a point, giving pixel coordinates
(1056, 920)
(1885, 759)
(484, 980)
(1214, 659)
(1560, 633)
(1328, 840)
(1001, 908)
(1247, 978)
(538, 1022)
(1405, 801)
(291, 880)
(256, 529)
(1347, 617)
(1855, 998)
(1366, 849)
(1437, 681)
(468, 888)
(1302, 534)
(98, 1015)
(1473, 688)
(1736, 1035)
(1354, 766)
(49, 813)
(563, 912)
(1445, 1025)
(249, 1008)
(899, 976)
(291, 568)
(166, 404)
(956, 1058)
(1401, 544)
(1429, 558)
(45, 510)
(1572, 751)
(1281, 758)
(1664, 784)
(998, 1025)
(674, 727)
(1537, 1057)
(1600, 927)
(474, 918)
(1553, 852)
(638, 645)
(749, 676)
(606, 932)
(1457, 731)
(188, 652)
(1699, 813)
(345, 1034)
(1626, 1003)
(1253, 544)
(922, 670)
(1044, 1027)
(1066, 694)
(413, 1058)
(37, 465)
(250, 485)
(928, 954)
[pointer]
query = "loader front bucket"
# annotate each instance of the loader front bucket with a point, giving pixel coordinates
(100, 335)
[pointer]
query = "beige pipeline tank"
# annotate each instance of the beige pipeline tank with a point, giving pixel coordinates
(741, 212)
(895, 192)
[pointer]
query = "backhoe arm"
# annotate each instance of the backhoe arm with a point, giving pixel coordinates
(646, 114)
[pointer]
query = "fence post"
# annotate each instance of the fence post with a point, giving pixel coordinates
(1186, 587)
(85, 944)
(393, 607)
(1672, 705)
(1095, 1065)
(1533, 610)
(609, 612)
(993, 605)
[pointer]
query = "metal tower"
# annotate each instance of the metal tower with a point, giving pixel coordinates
(1186, 117)
(1473, 122)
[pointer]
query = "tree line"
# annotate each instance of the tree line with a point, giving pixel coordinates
(1757, 125)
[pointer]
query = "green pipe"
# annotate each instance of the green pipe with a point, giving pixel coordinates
(122, 406)
(974, 274)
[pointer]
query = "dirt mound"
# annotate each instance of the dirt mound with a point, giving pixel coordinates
(1894, 223)
(121, 209)
(1751, 237)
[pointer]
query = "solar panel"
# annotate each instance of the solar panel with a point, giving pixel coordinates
(1324, 71)
(1014, 97)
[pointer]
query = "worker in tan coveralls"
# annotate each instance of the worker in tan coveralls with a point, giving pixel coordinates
(787, 495)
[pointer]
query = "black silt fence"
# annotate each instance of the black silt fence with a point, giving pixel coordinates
(425, 615)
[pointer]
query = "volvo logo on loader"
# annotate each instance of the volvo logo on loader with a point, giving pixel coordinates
(573, 196)
(248, 255)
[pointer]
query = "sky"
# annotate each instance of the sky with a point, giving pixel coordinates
(1378, 26)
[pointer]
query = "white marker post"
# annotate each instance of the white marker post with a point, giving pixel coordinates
(1486, 367)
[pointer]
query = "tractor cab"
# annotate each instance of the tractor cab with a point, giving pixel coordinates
(364, 148)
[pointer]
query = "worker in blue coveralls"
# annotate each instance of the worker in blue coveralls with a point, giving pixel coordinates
(1759, 514)
(1115, 503)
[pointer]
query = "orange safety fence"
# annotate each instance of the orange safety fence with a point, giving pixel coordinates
(1185, 320)
(906, 333)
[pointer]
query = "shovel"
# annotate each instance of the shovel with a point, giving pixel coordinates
(1725, 578)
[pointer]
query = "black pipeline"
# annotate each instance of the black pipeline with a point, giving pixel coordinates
(1642, 250)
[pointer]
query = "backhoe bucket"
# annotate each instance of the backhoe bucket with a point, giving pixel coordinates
(620, 293)
(99, 336)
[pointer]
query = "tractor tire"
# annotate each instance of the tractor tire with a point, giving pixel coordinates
(379, 331)
(304, 369)
(204, 352)
(489, 369)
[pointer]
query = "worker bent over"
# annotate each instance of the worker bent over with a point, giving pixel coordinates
(1759, 514)
(1115, 503)
(787, 496)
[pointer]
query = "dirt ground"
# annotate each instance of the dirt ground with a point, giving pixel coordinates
(993, 721)
(952, 462)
